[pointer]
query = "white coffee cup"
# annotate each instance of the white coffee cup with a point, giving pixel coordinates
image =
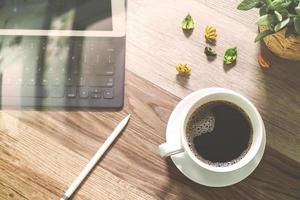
(253, 155)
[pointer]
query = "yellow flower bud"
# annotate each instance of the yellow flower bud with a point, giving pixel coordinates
(211, 34)
(183, 69)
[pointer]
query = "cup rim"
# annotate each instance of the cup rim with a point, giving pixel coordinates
(253, 147)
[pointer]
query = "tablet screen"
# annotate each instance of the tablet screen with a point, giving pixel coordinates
(78, 15)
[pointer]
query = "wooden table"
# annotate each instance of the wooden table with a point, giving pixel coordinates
(42, 152)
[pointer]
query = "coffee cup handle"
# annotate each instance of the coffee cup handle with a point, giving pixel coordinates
(166, 149)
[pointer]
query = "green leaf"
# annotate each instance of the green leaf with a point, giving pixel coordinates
(281, 25)
(188, 22)
(297, 24)
(263, 10)
(297, 9)
(279, 4)
(266, 20)
(263, 34)
(259, 4)
(276, 4)
(284, 13)
(247, 4)
(230, 55)
(286, 3)
(278, 15)
(267, 2)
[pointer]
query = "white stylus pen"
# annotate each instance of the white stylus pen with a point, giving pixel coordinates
(95, 158)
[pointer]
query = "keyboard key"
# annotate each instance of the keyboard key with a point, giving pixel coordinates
(56, 81)
(75, 64)
(44, 45)
(110, 56)
(87, 70)
(75, 69)
(10, 91)
(95, 95)
(107, 69)
(37, 91)
(78, 43)
(51, 69)
(80, 80)
(84, 59)
(98, 59)
(70, 80)
(39, 69)
(41, 92)
(27, 69)
(44, 81)
(71, 92)
(108, 94)
(62, 69)
(30, 81)
(111, 59)
(56, 92)
(7, 80)
(94, 52)
(36, 58)
(18, 81)
(95, 89)
(101, 81)
(73, 58)
(75, 80)
(92, 58)
(83, 92)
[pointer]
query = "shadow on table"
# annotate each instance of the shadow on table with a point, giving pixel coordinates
(279, 102)
(261, 184)
(228, 67)
(182, 80)
(180, 187)
(187, 33)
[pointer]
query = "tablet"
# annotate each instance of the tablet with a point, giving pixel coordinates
(95, 18)
(62, 53)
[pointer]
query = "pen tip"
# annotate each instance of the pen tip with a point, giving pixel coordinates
(126, 119)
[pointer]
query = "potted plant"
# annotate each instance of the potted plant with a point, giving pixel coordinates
(279, 25)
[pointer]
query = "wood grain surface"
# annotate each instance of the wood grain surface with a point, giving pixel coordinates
(41, 152)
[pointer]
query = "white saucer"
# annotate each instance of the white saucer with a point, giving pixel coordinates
(188, 167)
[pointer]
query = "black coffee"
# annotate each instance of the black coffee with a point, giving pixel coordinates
(219, 133)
